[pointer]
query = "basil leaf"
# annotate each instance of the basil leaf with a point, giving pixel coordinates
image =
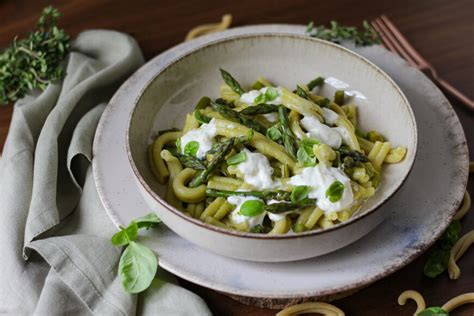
(191, 148)
(309, 142)
(305, 157)
(203, 103)
(252, 208)
(300, 193)
(148, 221)
(125, 235)
(237, 158)
(274, 133)
(137, 267)
(433, 311)
(335, 191)
(271, 94)
(260, 99)
(436, 263)
(201, 117)
(450, 235)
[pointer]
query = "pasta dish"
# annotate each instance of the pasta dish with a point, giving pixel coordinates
(271, 160)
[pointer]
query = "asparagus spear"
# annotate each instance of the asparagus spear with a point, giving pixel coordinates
(279, 195)
(219, 151)
(231, 82)
(300, 91)
(339, 97)
(315, 83)
(289, 139)
(260, 109)
(188, 161)
(282, 207)
(345, 151)
(235, 116)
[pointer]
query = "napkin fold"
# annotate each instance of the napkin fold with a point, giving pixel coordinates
(55, 234)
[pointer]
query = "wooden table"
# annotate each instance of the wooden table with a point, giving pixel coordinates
(442, 30)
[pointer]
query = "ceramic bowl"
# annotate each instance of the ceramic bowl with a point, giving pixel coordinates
(285, 60)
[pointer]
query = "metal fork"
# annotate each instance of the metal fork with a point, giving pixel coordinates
(394, 41)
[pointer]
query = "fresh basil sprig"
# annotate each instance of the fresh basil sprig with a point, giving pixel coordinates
(438, 260)
(300, 193)
(433, 311)
(36, 61)
(336, 33)
(138, 264)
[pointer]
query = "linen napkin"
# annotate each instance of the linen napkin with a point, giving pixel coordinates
(55, 234)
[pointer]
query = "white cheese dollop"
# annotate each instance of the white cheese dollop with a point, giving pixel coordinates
(237, 218)
(330, 117)
(271, 117)
(341, 85)
(322, 132)
(204, 135)
(320, 178)
(256, 171)
(249, 97)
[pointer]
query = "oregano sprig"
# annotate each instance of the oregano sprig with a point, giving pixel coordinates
(35, 61)
(138, 264)
(337, 33)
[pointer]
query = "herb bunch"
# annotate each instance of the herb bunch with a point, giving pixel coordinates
(337, 33)
(35, 61)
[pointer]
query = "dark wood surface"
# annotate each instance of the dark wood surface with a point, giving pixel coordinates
(442, 31)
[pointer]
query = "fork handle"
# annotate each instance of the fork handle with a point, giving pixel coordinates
(456, 93)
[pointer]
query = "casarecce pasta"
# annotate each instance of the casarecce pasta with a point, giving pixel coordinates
(271, 160)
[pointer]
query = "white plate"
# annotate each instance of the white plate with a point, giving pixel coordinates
(418, 212)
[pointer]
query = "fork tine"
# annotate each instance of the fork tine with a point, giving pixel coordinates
(384, 44)
(403, 41)
(389, 36)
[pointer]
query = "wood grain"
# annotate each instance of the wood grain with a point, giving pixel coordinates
(441, 30)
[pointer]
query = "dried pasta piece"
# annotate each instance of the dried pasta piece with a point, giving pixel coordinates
(210, 28)
(457, 301)
(465, 206)
(456, 252)
(314, 307)
(415, 296)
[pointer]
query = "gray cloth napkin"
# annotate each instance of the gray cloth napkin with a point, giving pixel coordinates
(55, 234)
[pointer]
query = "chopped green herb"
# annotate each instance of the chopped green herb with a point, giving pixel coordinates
(251, 208)
(191, 148)
(300, 193)
(335, 191)
(237, 158)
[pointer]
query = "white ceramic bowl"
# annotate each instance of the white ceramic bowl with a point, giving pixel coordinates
(284, 60)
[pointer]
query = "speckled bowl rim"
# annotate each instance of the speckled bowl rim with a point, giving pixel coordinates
(209, 44)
